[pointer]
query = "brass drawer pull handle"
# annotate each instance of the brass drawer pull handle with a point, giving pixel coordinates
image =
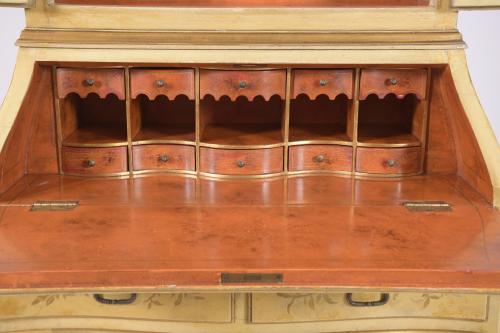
(390, 163)
(160, 83)
(392, 82)
(319, 158)
(164, 158)
(323, 83)
(384, 299)
(89, 82)
(241, 164)
(89, 163)
(101, 299)
(243, 84)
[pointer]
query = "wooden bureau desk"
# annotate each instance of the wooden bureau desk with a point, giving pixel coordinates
(247, 166)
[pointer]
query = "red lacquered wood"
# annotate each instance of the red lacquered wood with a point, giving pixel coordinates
(407, 81)
(265, 83)
(104, 160)
(329, 232)
(105, 82)
(389, 160)
(320, 157)
(167, 82)
(329, 82)
(251, 3)
(241, 161)
(164, 157)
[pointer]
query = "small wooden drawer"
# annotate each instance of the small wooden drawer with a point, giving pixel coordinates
(400, 82)
(85, 81)
(320, 157)
(167, 82)
(265, 83)
(180, 307)
(164, 157)
(329, 82)
(241, 162)
(303, 307)
(91, 161)
(389, 160)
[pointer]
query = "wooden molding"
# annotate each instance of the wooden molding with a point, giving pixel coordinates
(475, 4)
(17, 3)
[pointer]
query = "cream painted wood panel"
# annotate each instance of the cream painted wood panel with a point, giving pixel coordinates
(303, 307)
(181, 307)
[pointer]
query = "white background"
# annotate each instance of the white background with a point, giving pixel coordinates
(481, 30)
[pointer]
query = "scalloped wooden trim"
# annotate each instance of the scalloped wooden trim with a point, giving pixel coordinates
(152, 95)
(332, 97)
(383, 95)
(250, 97)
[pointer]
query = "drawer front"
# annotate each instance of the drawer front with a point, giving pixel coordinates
(85, 81)
(167, 82)
(164, 157)
(400, 82)
(290, 307)
(241, 162)
(322, 82)
(320, 157)
(389, 160)
(210, 308)
(243, 83)
(91, 161)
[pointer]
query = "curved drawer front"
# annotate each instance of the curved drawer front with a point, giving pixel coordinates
(329, 82)
(400, 82)
(241, 162)
(288, 307)
(265, 83)
(320, 157)
(164, 157)
(92, 161)
(389, 160)
(85, 81)
(210, 308)
(167, 82)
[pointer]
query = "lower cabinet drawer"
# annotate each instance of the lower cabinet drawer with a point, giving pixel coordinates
(320, 157)
(241, 162)
(164, 157)
(389, 160)
(209, 308)
(290, 307)
(92, 161)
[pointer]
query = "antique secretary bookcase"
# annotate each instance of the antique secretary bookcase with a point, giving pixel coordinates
(247, 166)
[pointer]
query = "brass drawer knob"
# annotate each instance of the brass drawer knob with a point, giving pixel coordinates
(89, 163)
(390, 163)
(392, 82)
(241, 164)
(160, 83)
(89, 82)
(323, 83)
(243, 84)
(319, 158)
(164, 158)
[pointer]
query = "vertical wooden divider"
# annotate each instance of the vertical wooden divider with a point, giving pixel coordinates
(197, 117)
(286, 125)
(128, 104)
(425, 120)
(355, 115)
(57, 108)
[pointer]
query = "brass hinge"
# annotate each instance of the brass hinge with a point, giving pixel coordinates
(54, 205)
(428, 206)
